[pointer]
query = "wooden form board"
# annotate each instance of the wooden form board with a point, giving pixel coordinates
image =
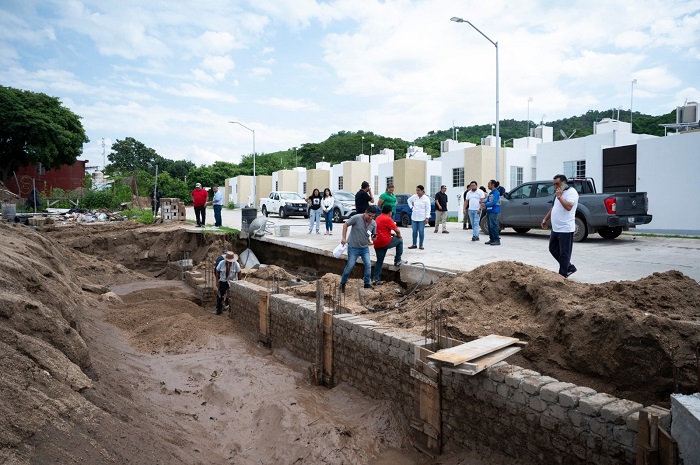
(472, 350)
(481, 363)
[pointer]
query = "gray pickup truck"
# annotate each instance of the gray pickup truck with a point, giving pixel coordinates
(608, 214)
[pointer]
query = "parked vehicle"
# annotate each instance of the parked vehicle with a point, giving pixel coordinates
(608, 214)
(344, 206)
(284, 204)
(402, 216)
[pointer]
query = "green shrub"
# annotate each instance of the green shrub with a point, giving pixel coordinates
(144, 216)
(109, 198)
(231, 206)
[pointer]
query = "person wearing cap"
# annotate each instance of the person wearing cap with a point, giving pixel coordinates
(441, 210)
(363, 198)
(227, 270)
(199, 200)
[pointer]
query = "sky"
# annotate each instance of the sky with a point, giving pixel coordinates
(173, 74)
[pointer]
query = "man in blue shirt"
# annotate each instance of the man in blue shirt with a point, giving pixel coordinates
(493, 208)
(218, 202)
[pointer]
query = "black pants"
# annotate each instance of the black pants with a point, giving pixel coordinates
(154, 206)
(560, 246)
(201, 211)
(223, 287)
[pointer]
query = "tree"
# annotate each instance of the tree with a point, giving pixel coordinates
(130, 154)
(36, 128)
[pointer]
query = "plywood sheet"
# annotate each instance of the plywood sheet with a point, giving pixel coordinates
(471, 350)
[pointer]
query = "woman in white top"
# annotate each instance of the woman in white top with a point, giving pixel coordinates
(420, 214)
(327, 203)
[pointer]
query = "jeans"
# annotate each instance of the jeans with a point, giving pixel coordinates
(314, 217)
(217, 215)
(200, 212)
(328, 217)
(418, 230)
(441, 216)
(560, 246)
(474, 218)
(381, 253)
(494, 237)
(223, 287)
(353, 253)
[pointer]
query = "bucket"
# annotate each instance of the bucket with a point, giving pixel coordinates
(248, 215)
(9, 210)
(283, 231)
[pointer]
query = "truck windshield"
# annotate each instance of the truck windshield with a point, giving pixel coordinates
(344, 196)
(290, 196)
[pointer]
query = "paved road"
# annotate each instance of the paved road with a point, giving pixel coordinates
(598, 260)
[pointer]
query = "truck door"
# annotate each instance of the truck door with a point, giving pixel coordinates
(517, 208)
(542, 201)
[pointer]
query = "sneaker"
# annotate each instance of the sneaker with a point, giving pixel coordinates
(464, 226)
(318, 232)
(495, 243)
(309, 232)
(421, 247)
(342, 288)
(435, 231)
(368, 286)
(474, 238)
(571, 271)
(378, 283)
(487, 243)
(401, 262)
(412, 247)
(325, 233)
(445, 232)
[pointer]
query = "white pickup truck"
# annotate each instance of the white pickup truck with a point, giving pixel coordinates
(284, 204)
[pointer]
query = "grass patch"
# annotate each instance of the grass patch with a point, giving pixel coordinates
(674, 236)
(144, 216)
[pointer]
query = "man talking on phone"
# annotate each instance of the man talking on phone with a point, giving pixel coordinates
(563, 215)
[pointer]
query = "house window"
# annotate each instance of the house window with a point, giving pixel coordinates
(435, 183)
(389, 180)
(304, 187)
(340, 183)
(575, 169)
(277, 185)
(376, 184)
(534, 174)
(457, 177)
(516, 176)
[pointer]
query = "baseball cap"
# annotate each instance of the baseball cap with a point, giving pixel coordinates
(198, 185)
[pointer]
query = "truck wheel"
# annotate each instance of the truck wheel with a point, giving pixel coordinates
(264, 211)
(610, 233)
(336, 216)
(282, 212)
(521, 230)
(581, 231)
(484, 224)
(405, 220)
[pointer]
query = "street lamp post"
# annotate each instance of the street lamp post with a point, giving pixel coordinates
(634, 81)
(371, 149)
(254, 178)
(363, 145)
(498, 132)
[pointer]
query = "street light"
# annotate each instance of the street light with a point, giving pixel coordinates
(371, 149)
(634, 81)
(254, 178)
(528, 117)
(363, 145)
(498, 132)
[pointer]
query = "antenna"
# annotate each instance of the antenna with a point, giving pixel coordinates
(563, 134)
(542, 120)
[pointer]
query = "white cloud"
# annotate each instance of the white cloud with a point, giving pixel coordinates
(219, 65)
(260, 72)
(289, 104)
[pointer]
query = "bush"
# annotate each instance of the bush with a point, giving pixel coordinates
(231, 206)
(144, 216)
(109, 198)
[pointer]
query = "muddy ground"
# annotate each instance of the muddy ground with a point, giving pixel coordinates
(102, 363)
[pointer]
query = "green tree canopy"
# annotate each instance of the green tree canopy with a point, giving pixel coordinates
(130, 154)
(36, 128)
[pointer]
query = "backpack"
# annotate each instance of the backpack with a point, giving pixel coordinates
(218, 260)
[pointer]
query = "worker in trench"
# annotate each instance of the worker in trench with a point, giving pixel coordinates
(227, 270)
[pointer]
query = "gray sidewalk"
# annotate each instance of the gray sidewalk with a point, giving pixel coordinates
(597, 260)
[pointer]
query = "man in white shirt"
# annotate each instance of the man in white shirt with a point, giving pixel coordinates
(563, 214)
(420, 214)
(472, 207)
(227, 270)
(218, 202)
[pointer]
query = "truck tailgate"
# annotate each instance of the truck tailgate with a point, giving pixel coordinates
(631, 203)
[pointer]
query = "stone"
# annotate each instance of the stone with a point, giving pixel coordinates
(625, 437)
(632, 422)
(578, 419)
(558, 412)
(520, 397)
(533, 384)
(600, 427)
(515, 378)
(570, 398)
(503, 390)
(537, 404)
(618, 411)
(592, 405)
(550, 392)
(498, 372)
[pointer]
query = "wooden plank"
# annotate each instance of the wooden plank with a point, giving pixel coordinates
(320, 339)
(327, 349)
(480, 364)
(471, 350)
(642, 437)
(668, 452)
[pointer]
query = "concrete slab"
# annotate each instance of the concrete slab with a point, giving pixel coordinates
(598, 260)
(685, 426)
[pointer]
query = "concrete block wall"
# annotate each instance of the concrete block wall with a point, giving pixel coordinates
(537, 418)
(532, 417)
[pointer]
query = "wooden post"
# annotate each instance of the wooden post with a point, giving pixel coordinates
(320, 301)
(327, 349)
(264, 313)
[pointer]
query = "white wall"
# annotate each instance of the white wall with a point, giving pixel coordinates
(516, 157)
(301, 177)
(384, 170)
(667, 169)
(233, 196)
(450, 160)
(336, 170)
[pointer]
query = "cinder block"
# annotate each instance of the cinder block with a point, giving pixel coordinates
(592, 405)
(570, 398)
(618, 411)
(550, 392)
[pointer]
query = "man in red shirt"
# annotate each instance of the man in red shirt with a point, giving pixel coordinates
(199, 200)
(385, 241)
